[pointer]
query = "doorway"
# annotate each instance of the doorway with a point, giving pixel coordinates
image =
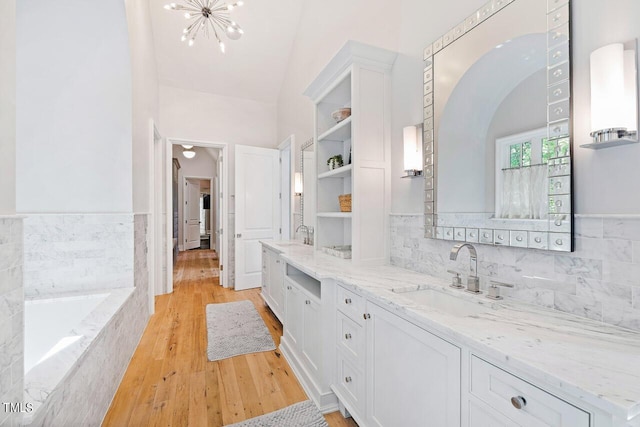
(200, 214)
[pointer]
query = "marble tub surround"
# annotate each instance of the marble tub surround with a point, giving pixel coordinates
(74, 252)
(47, 380)
(11, 317)
(117, 325)
(589, 360)
(600, 280)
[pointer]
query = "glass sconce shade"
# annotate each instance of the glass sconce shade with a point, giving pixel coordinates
(412, 149)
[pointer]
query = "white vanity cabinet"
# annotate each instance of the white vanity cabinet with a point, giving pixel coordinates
(273, 281)
(302, 340)
(302, 325)
(391, 372)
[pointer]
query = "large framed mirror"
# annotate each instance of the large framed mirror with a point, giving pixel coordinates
(497, 128)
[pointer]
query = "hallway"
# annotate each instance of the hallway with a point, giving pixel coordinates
(170, 382)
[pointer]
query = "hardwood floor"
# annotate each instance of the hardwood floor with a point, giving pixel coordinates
(169, 380)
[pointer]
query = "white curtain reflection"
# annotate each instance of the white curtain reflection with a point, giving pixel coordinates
(524, 193)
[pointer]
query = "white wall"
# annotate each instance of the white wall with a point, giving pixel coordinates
(145, 100)
(604, 180)
(73, 107)
(8, 107)
(192, 115)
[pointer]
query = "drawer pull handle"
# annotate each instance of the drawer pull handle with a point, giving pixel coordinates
(347, 336)
(307, 302)
(347, 300)
(288, 287)
(347, 379)
(518, 402)
(366, 316)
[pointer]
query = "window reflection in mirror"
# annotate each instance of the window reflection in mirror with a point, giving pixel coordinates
(490, 111)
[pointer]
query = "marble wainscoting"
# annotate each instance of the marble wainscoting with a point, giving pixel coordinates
(600, 280)
(77, 252)
(84, 396)
(11, 319)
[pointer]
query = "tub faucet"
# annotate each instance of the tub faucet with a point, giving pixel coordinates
(473, 282)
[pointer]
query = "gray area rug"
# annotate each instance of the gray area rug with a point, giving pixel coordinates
(303, 414)
(235, 328)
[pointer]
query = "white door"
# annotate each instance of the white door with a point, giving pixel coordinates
(192, 214)
(257, 210)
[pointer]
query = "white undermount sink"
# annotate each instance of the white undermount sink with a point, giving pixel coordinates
(445, 302)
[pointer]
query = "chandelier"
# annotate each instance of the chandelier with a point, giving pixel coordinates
(208, 17)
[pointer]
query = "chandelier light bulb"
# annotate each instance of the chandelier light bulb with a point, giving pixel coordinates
(233, 34)
(209, 17)
(187, 146)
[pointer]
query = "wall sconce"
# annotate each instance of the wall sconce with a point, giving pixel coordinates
(188, 151)
(614, 95)
(297, 184)
(412, 136)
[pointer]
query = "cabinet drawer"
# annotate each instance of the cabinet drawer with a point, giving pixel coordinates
(350, 303)
(350, 382)
(503, 392)
(350, 338)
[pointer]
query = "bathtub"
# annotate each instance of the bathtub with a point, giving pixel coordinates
(60, 332)
(49, 325)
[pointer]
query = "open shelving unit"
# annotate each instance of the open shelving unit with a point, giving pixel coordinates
(357, 77)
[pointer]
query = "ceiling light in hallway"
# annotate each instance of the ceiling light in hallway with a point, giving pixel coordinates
(208, 17)
(189, 153)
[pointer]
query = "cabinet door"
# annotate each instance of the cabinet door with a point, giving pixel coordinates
(481, 416)
(294, 313)
(413, 377)
(312, 342)
(276, 291)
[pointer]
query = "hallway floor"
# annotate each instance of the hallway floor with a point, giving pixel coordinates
(169, 380)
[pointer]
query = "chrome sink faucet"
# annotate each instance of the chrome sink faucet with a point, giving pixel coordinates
(473, 282)
(307, 238)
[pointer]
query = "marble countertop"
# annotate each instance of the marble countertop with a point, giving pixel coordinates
(590, 360)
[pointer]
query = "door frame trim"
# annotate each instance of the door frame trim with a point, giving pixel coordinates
(224, 173)
(289, 142)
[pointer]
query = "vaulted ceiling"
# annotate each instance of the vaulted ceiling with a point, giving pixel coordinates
(252, 67)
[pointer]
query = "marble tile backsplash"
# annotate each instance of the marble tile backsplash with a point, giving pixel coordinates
(11, 318)
(599, 280)
(75, 252)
